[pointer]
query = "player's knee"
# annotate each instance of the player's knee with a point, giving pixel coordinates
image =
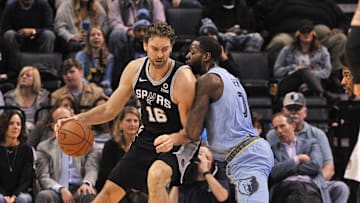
(159, 173)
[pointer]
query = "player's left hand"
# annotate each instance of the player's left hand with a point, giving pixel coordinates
(163, 143)
(86, 189)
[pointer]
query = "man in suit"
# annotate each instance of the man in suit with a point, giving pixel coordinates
(63, 178)
(298, 160)
(294, 104)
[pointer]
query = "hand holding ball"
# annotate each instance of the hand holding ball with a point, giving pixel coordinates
(75, 138)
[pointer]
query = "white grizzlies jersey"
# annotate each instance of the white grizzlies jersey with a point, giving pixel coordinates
(228, 120)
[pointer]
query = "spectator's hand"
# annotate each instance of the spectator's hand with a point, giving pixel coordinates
(130, 33)
(176, 3)
(78, 38)
(66, 195)
(303, 158)
(300, 66)
(334, 31)
(163, 143)
(25, 32)
(12, 199)
(223, 56)
(86, 189)
(9, 199)
(204, 163)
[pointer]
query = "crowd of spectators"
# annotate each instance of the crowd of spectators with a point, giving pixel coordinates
(305, 41)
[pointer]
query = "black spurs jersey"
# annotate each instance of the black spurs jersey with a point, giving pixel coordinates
(159, 114)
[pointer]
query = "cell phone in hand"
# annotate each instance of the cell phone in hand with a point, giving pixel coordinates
(86, 25)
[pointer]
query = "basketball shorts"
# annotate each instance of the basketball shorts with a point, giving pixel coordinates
(132, 169)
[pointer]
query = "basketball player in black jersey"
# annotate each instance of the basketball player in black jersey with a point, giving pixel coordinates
(166, 91)
(353, 50)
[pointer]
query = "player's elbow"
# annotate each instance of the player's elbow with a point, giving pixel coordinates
(192, 135)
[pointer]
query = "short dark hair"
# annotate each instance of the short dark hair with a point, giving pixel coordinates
(5, 121)
(208, 44)
(69, 63)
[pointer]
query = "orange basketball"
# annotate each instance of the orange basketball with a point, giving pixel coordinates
(75, 138)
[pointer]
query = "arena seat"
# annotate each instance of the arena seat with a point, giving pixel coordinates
(49, 65)
(255, 72)
(185, 21)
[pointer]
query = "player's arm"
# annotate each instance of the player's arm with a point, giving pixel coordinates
(117, 100)
(209, 88)
(355, 21)
(183, 94)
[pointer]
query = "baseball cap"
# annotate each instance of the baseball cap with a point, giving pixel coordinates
(294, 99)
(306, 26)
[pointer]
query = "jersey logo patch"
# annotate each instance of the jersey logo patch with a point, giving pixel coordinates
(248, 185)
(165, 88)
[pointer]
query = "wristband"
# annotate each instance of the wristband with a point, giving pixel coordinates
(206, 172)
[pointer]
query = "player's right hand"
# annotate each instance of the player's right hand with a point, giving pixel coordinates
(163, 143)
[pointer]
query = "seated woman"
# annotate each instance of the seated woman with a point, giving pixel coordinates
(29, 96)
(125, 127)
(304, 61)
(17, 159)
(73, 19)
(96, 61)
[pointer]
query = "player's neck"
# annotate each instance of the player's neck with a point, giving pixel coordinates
(157, 73)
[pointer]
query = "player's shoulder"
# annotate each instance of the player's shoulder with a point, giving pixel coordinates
(133, 66)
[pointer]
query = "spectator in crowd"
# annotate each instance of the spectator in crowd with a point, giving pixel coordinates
(304, 61)
(29, 96)
(230, 14)
(297, 161)
(294, 104)
(282, 18)
(352, 50)
(347, 82)
(85, 94)
(246, 42)
(181, 4)
(104, 3)
(44, 129)
(123, 14)
(73, 20)
(102, 132)
(132, 49)
(96, 61)
(124, 130)
(2, 103)
(17, 159)
(64, 178)
(350, 124)
(206, 182)
(27, 25)
(208, 28)
(258, 124)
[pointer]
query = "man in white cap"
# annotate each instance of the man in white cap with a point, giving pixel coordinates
(294, 104)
